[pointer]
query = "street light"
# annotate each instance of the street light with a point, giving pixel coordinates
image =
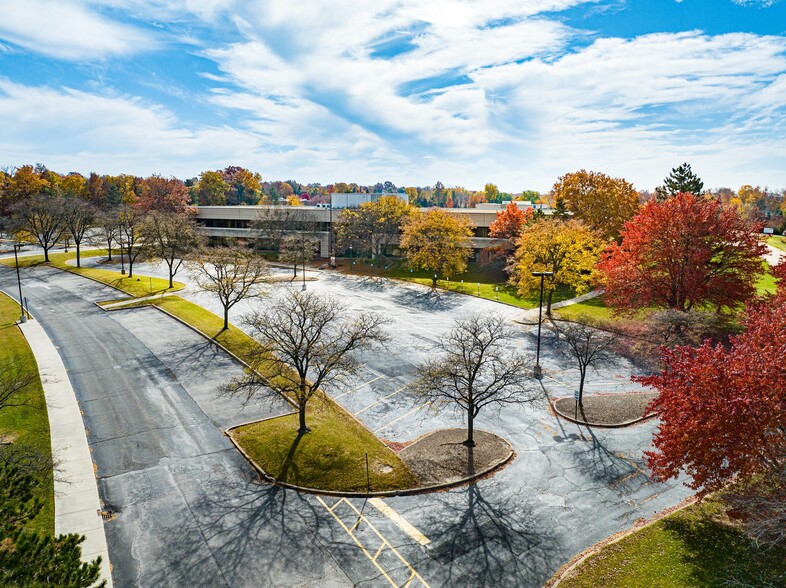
(351, 259)
(17, 247)
(331, 238)
(303, 253)
(538, 372)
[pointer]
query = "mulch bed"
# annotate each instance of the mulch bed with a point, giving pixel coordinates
(608, 410)
(442, 458)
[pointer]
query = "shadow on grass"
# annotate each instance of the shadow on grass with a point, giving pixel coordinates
(289, 461)
(721, 555)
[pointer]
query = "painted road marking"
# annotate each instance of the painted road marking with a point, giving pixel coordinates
(357, 387)
(400, 521)
(403, 416)
(413, 575)
(380, 400)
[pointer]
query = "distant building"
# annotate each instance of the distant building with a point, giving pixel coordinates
(234, 222)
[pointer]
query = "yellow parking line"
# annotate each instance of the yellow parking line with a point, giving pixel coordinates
(403, 416)
(385, 545)
(400, 521)
(380, 400)
(556, 380)
(358, 387)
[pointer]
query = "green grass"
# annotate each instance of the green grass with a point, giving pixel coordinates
(332, 456)
(137, 286)
(26, 425)
(487, 281)
(696, 547)
(777, 242)
(595, 308)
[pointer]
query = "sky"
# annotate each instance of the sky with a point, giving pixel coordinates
(515, 92)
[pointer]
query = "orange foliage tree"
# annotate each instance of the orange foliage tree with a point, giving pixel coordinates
(681, 253)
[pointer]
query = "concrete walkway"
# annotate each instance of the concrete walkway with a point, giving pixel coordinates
(77, 506)
(530, 315)
(773, 255)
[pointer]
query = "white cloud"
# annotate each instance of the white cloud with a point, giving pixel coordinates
(67, 30)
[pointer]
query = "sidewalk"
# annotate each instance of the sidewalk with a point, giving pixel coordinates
(77, 505)
(530, 316)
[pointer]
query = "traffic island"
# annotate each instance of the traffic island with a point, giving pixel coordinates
(316, 464)
(606, 410)
(442, 458)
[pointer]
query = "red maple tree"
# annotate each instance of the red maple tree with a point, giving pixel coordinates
(723, 411)
(683, 252)
(508, 225)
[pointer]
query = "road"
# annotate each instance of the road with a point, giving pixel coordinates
(190, 512)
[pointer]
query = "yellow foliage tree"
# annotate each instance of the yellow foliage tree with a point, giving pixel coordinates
(603, 203)
(294, 200)
(437, 241)
(568, 248)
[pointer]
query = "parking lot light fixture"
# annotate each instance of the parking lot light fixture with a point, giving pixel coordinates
(538, 371)
(23, 317)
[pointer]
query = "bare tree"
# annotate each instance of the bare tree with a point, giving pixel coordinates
(171, 236)
(40, 217)
(232, 273)
(273, 223)
(78, 218)
(130, 221)
(588, 346)
(473, 369)
(307, 342)
(109, 224)
(296, 248)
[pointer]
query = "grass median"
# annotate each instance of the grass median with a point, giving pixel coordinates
(136, 286)
(697, 547)
(332, 456)
(26, 425)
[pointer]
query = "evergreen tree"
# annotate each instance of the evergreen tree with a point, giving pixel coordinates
(682, 179)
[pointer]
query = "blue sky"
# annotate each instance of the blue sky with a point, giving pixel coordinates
(465, 92)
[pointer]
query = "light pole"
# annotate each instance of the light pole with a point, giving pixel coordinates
(351, 259)
(23, 317)
(303, 253)
(122, 263)
(331, 238)
(538, 372)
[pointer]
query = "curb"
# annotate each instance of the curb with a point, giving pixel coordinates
(381, 494)
(553, 404)
(68, 434)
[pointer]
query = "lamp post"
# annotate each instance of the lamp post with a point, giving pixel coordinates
(538, 371)
(303, 253)
(351, 259)
(122, 262)
(23, 317)
(331, 238)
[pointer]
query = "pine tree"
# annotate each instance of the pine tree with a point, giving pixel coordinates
(682, 179)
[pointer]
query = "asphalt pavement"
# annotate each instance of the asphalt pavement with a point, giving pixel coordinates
(191, 513)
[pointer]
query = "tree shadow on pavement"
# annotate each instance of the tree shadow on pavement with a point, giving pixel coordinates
(256, 534)
(427, 300)
(480, 541)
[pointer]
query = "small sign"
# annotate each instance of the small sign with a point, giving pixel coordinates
(768, 231)
(576, 396)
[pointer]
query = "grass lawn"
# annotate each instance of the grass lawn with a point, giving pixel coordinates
(26, 425)
(777, 242)
(595, 308)
(696, 547)
(137, 286)
(330, 456)
(487, 281)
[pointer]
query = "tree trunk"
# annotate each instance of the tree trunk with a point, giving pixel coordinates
(548, 302)
(226, 318)
(583, 372)
(470, 442)
(46, 254)
(434, 282)
(109, 249)
(303, 429)
(78, 259)
(294, 267)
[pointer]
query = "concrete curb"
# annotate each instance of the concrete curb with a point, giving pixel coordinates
(553, 404)
(382, 494)
(77, 503)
